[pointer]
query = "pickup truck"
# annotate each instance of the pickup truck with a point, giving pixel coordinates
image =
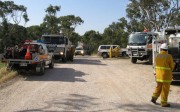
(32, 55)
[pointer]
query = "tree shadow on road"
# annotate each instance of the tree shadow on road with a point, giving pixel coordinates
(148, 107)
(86, 61)
(84, 103)
(71, 103)
(59, 74)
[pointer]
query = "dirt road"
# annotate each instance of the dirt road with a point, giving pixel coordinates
(89, 84)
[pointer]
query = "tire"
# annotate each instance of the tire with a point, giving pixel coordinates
(51, 65)
(64, 60)
(133, 60)
(41, 67)
(150, 61)
(105, 55)
(124, 54)
(71, 58)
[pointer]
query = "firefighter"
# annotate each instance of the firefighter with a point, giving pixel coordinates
(110, 52)
(116, 51)
(164, 66)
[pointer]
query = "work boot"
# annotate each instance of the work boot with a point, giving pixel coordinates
(167, 105)
(153, 100)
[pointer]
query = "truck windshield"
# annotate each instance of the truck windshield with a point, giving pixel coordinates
(53, 39)
(139, 39)
(79, 48)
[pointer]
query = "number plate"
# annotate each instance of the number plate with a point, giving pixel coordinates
(23, 64)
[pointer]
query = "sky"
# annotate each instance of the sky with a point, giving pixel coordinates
(97, 14)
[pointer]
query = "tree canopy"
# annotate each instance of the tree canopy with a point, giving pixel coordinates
(154, 14)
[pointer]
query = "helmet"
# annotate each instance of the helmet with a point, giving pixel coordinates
(164, 46)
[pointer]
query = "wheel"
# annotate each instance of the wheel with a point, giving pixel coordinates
(71, 58)
(124, 54)
(133, 60)
(64, 60)
(40, 68)
(105, 55)
(150, 59)
(51, 65)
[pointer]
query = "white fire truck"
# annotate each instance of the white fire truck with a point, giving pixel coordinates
(140, 46)
(60, 46)
(171, 36)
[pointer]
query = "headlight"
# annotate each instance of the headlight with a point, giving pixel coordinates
(61, 53)
(82, 52)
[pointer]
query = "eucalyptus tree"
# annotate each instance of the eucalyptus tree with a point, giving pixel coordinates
(75, 38)
(92, 40)
(116, 33)
(51, 23)
(34, 32)
(11, 15)
(69, 23)
(153, 14)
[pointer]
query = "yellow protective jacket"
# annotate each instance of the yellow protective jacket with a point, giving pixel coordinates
(164, 67)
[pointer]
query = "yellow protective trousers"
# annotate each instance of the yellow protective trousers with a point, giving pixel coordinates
(116, 51)
(110, 52)
(163, 90)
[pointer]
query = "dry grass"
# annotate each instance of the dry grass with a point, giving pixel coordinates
(6, 75)
(2, 65)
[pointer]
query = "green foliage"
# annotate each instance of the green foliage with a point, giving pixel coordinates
(92, 40)
(2, 65)
(153, 14)
(116, 33)
(12, 34)
(34, 32)
(75, 38)
(51, 22)
(52, 10)
(69, 23)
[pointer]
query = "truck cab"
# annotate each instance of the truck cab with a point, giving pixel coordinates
(59, 45)
(140, 46)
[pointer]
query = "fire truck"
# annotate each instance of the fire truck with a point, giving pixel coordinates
(140, 46)
(60, 46)
(171, 36)
(31, 55)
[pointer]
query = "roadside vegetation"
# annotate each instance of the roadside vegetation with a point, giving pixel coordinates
(5, 74)
(2, 65)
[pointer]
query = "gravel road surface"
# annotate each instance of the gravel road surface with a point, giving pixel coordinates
(89, 84)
